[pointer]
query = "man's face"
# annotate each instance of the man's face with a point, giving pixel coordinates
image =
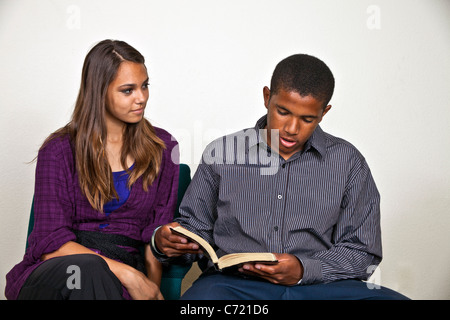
(295, 117)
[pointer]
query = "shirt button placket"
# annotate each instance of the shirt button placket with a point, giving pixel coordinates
(278, 218)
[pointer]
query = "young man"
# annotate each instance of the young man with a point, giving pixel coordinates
(289, 188)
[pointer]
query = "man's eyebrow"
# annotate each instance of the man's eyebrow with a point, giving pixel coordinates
(281, 107)
(302, 116)
(309, 116)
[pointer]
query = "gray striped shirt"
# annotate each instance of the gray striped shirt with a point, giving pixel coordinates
(320, 205)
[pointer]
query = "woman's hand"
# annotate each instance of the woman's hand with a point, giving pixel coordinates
(138, 285)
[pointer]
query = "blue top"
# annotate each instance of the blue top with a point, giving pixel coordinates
(120, 180)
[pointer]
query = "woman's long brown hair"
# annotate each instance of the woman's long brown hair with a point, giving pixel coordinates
(87, 129)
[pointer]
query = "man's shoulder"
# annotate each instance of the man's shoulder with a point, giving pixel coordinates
(251, 134)
(333, 140)
(340, 146)
(232, 148)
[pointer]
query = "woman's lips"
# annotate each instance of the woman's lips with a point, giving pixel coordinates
(138, 111)
(287, 142)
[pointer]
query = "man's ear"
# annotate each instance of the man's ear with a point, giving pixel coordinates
(327, 108)
(266, 95)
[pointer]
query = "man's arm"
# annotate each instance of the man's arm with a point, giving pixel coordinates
(356, 240)
(356, 237)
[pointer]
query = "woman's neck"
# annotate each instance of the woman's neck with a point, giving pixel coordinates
(114, 143)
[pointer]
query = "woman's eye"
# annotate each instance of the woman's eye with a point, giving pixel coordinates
(127, 91)
(145, 85)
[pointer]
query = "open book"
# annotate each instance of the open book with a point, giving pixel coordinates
(228, 260)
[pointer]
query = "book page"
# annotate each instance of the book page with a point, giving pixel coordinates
(233, 259)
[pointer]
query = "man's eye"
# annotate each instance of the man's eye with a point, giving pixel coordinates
(281, 112)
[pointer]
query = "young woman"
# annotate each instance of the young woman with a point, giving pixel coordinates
(104, 182)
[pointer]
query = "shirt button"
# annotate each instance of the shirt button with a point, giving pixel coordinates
(275, 228)
(280, 197)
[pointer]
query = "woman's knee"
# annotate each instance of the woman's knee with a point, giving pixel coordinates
(56, 278)
(89, 277)
(88, 261)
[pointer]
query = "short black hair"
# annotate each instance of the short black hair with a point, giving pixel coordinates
(304, 74)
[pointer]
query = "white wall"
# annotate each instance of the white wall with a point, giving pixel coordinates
(208, 62)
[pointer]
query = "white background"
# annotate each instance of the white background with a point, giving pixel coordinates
(208, 62)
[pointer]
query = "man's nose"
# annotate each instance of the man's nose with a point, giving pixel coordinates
(292, 126)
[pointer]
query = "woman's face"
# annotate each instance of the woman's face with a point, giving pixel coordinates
(127, 94)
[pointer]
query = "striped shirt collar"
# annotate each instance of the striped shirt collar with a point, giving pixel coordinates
(317, 141)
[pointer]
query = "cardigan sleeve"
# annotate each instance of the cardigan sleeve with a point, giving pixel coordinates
(53, 199)
(165, 204)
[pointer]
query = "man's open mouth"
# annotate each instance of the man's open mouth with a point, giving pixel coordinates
(288, 143)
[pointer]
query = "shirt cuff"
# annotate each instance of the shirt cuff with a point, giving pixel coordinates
(312, 271)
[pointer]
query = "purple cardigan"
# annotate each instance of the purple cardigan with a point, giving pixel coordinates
(60, 206)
